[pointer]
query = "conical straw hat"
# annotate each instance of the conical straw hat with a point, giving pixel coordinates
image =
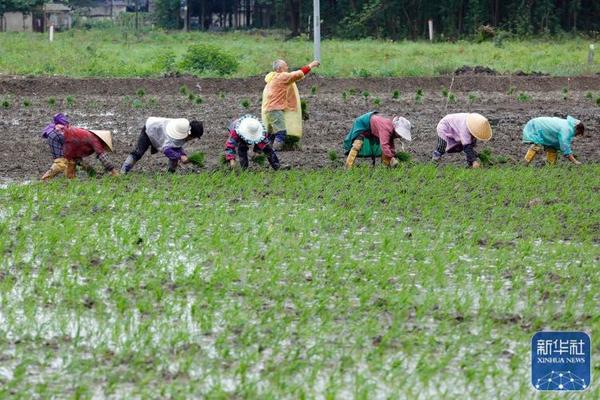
(106, 137)
(479, 126)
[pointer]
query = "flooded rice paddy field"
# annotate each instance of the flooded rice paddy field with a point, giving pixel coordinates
(418, 283)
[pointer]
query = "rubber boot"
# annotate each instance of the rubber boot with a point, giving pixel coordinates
(532, 152)
(356, 146)
(58, 166)
(551, 156)
(279, 141)
(70, 172)
(128, 164)
(272, 157)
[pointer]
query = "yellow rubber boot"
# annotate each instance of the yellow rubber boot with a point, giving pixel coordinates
(532, 152)
(356, 146)
(551, 156)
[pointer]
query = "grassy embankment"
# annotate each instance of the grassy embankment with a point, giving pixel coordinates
(108, 53)
(415, 282)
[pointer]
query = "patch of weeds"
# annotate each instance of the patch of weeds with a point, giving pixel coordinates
(361, 73)
(313, 90)
(140, 92)
(51, 101)
(419, 96)
(333, 156)
(70, 100)
(523, 97)
(184, 90)
(245, 103)
(26, 103)
(376, 101)
(396, 94)
(304, 109)
(137, 103)
(197, 159)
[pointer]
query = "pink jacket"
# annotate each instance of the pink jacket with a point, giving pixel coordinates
(453, 129)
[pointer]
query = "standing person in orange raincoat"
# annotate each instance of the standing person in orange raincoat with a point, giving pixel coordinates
(281, 102)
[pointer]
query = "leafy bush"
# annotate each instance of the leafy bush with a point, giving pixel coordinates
(206, 58)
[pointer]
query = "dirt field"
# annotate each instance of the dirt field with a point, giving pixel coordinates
(116, 105)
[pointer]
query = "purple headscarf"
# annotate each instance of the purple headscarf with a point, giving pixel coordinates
(59, 118)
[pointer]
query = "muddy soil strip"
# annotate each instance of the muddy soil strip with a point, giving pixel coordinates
(113, 104)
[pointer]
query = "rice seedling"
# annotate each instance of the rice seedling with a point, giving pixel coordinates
(140, 92)
(51, 101)
(333, 156)
(245, 103)
(197, 159)
(304, 110)
(184, 90)
(376, 101)
(70, 101)
(396, 94)
(313, 90)
(5, 103)
(523, 97)
(26, 103)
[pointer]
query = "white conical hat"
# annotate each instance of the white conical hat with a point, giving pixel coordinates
(178, 128)
(250, 129)
(402, 126)
(105, 136)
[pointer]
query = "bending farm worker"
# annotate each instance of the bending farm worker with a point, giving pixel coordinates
(281, 102)
(80, 143)
(55, 138)
(460, 132)
(244, 132)
(167, 135)
(373, 135)
(552, 135)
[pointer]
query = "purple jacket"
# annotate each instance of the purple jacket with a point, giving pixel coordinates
(453, 129)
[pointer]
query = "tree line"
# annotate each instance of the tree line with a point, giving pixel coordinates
(353, 19)
(392, 19)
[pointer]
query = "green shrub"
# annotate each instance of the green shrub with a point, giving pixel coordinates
(206, 58)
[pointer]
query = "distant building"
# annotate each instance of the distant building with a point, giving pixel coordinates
(39, 20)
